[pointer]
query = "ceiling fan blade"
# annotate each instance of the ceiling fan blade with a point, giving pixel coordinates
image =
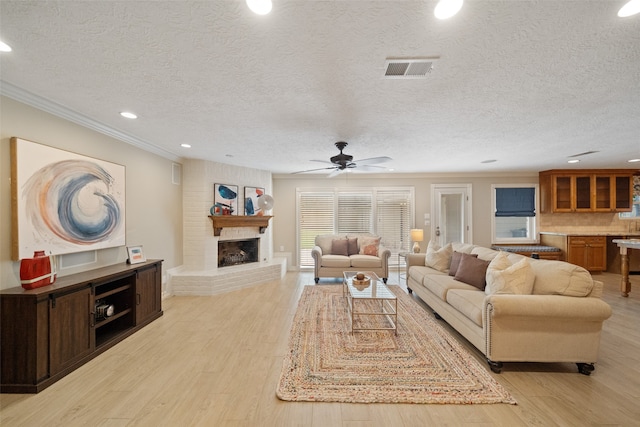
(313, 170)
(322, 161)
(373, 160)
(370, 168)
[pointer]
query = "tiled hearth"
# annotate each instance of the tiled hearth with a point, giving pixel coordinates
(225, 279)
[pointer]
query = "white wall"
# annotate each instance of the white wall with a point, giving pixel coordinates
(284, 194)
(153, 202)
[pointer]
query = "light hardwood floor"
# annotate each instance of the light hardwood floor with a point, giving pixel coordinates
(215, 361)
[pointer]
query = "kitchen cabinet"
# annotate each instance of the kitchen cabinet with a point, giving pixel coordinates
(586, 190)
(47, 332)
(589, 252)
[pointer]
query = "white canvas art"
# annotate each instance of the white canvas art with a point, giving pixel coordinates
(64, 202)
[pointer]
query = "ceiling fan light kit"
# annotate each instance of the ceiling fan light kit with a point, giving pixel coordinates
(344, 162)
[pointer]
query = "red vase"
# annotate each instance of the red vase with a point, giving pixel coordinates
(37, 271)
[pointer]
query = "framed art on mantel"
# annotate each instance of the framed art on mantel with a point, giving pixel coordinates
(225, 199)
(251, 195)
(63, 202)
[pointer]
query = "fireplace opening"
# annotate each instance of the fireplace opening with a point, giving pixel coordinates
(236, 252)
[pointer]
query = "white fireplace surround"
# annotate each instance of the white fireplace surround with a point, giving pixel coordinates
(199, 274)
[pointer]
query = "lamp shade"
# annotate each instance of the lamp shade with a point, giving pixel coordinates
(417, 235)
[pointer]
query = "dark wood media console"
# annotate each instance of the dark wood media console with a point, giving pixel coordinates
(48, 332)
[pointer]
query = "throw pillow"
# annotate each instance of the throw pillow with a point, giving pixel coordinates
(506, 278)
(455, 261)
(472, 271)
(353, 246)
(369, 245)
(340, 247)
(438, 258)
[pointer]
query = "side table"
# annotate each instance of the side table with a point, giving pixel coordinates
(402, 274)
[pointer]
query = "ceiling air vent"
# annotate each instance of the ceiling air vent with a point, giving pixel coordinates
(408, 68)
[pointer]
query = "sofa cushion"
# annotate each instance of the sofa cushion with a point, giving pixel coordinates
(472, 270)
(440, 283)
(505, 277)
(438, 258)
(484, 253)
(418, 273)
(340, 247)
(365, 261)
(339, 261)
(369, 245)
(325, 241)
(464, 248)
(560, 278)
(468, 302)
(455, 261)
(352, 246)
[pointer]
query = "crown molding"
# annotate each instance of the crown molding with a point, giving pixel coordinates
(33, 100)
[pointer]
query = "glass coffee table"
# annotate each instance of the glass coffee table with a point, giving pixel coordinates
(372, 299)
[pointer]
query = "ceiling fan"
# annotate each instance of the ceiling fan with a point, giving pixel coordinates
(343, 162)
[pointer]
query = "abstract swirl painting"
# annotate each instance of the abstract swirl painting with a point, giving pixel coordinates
(64, 202)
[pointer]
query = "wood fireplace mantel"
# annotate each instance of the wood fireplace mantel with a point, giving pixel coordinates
(222, 221)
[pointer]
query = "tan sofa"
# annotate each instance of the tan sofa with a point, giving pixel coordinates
(558, 318)
(362, 252)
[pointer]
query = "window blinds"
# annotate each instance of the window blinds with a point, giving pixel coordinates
(515, 202)
(386, 212)
(315, 216)
(354, 213)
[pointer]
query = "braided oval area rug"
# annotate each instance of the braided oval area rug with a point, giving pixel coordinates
(326, 362)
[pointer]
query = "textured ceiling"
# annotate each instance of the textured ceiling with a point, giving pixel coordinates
(527, 83)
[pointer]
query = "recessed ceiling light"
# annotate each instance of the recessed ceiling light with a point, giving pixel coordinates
(260, 7)
(185, 145)
(630, 8)
(228, 155)
(5, 47)
(447, 8)
(573, 161)
(128, 115)
(634, 160)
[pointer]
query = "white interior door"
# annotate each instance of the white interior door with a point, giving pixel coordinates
(451, 213)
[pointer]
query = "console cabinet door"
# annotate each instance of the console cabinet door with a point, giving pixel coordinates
(148, 298)
(70, 328)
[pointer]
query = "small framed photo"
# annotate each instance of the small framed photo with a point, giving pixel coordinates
(136, 255)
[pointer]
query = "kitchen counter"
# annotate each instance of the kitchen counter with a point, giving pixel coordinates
(609, 255)
(625, 246)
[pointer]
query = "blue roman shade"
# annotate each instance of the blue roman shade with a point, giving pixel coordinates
(518, 202)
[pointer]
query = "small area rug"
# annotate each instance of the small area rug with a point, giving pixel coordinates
(422, 364)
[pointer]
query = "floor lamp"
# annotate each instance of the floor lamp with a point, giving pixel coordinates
(417, 235)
